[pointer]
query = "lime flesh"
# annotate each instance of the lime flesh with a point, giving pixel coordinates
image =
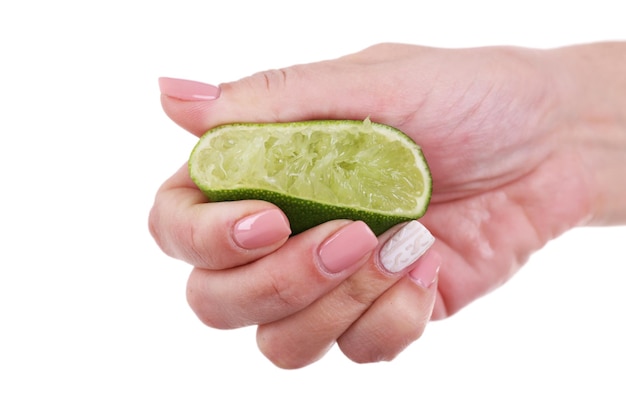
(316, 171)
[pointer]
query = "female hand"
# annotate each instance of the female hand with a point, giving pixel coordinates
(495, 125)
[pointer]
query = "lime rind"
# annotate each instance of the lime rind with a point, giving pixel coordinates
(304, 213)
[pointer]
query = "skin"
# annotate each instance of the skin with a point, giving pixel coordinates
(523, 145)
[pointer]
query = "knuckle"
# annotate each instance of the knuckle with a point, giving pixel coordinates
(379, 346)
(271, 80)
(271, 343)
(284, 296)
(155, 227)
(176, 238)
(271, 88)
(372, 353)
(209, 311)
(189, 241)
(194, 239)
(373, 356)
(361, 293)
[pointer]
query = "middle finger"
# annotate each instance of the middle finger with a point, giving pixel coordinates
(283, 282)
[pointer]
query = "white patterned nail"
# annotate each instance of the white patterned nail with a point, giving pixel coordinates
(406, 246)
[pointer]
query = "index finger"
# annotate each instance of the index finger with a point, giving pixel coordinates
(213, 236)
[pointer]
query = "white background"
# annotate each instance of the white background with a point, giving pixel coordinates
(93, 317)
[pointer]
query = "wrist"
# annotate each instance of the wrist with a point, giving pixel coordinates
(591, 84)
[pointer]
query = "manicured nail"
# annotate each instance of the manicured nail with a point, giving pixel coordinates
(425, 272)
(261, 229)
(405, 247)
(347, 246)
(188, 90)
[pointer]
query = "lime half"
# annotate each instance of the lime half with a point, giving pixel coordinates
(316, 171)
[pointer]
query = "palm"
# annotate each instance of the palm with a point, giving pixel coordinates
(498, 190)
(486, 236)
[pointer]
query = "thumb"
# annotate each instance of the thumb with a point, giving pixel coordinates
(325, 90)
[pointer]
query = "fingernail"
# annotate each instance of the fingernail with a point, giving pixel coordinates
(188, 90)
(347, 246)
(425, 272)
(261, 229)
(405, 247)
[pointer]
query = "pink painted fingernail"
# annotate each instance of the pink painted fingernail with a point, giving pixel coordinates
(347, 246)
(425, 272)
(261, 229)
(188, 90)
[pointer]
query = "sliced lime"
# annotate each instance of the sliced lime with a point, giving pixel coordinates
(316, 171)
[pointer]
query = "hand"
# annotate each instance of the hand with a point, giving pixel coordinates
(490, 122)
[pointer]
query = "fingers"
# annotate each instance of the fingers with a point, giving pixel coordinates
(216, 235)
(283, 282)
(360, 306)
(397, 318)
(305, 294)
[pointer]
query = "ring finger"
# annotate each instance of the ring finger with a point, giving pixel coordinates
(305, 336)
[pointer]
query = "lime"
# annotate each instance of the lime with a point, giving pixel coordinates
(316, 171)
